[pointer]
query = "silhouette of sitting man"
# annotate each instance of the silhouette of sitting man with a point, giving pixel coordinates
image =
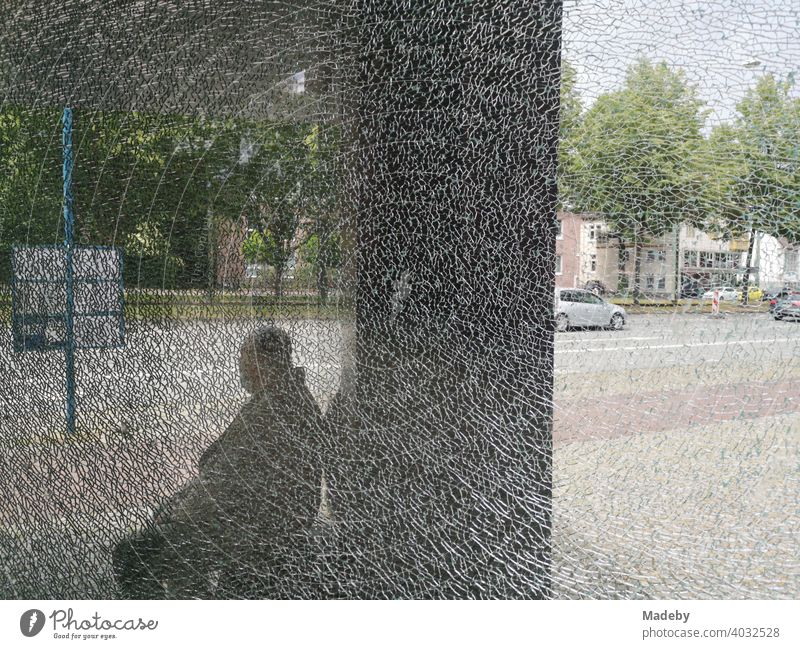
(243, 527)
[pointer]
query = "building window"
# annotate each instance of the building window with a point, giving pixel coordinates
(790, 260)
(656, 255)
(593, 263)
(649, 282)
(690, 258)
(662, 283)
(558, 264)
(725, 260)
(624, 256)
(559, 229)
(591, 232)
(706, 259)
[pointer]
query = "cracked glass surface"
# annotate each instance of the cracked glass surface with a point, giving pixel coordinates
(489, 299)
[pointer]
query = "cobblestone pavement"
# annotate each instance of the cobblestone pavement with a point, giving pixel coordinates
(710, 511)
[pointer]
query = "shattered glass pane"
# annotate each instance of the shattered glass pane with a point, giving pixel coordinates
(490, 299)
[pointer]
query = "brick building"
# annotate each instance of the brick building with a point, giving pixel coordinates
(568, 238)
(230, 262)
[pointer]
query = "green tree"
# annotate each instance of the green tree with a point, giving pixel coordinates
(569, 120)
(277, 172)
(160, 186)
(752, 168)
(571, 105)
(632, 157)
(322, 224)
(145, 182)
(30, 180)
(720, 163)
(255, 249)
(768, 132)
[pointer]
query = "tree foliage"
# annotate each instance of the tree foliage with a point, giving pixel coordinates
(569, 120)
(159, 186)
(30, 180)
(767, 132)
(631, 155)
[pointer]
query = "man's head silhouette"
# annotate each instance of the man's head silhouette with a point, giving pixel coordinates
(265, 359)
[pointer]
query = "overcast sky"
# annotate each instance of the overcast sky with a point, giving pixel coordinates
(711, 40)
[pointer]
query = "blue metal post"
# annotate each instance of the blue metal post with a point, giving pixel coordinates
(69, 349)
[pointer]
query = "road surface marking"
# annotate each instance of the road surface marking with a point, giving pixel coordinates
(677, 346)
(610, 338)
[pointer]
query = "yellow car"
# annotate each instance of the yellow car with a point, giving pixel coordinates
(753, 295)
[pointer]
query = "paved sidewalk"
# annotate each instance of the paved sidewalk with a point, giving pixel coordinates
(662, 410)
(707, 512)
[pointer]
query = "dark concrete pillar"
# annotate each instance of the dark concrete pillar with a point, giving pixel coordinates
(443, 489)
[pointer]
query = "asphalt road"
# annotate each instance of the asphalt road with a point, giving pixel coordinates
(661, 371)
(681, 339)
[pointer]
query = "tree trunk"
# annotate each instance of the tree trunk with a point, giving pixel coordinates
(211, 269)
(277, 286)
(747, 261)
(637, 267)
(322, 283)
(622, 262)
(676, 252)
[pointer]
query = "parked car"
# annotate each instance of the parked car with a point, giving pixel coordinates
(788, 308)
(783, 294)
(575, 307)
(754, 294)
(725, 293)
(692, 290)
(595, 286)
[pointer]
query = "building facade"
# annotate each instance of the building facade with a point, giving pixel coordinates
(683, 261)
(777, 261)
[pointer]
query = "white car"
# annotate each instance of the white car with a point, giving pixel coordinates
(575, 307)
(725, 293)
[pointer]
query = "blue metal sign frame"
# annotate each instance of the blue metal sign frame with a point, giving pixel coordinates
(29, 328)
(51, 324)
